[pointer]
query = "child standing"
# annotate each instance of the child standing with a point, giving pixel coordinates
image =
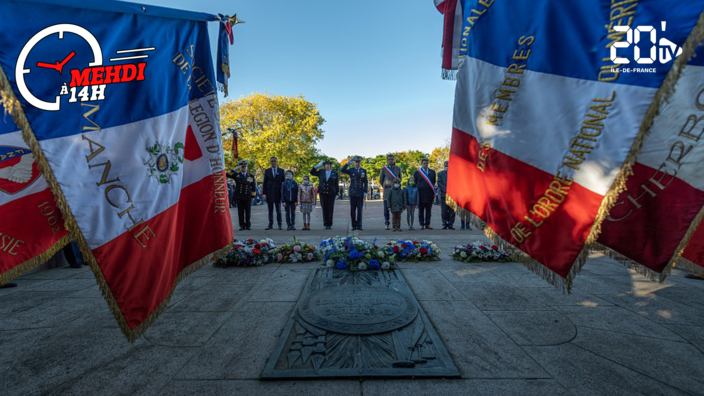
(412, 199)
(396, 202)
(307, 198)
(289, 196)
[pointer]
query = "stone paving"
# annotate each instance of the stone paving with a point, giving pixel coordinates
(508, 331)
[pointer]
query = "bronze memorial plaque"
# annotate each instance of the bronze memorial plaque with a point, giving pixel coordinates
(358, 309)
(358, 324)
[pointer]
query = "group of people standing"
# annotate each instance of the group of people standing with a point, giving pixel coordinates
(280, 188)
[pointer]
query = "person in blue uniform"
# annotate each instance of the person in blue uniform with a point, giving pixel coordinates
(244, 185)
(359, 184)
(446, 212)
(328, 188)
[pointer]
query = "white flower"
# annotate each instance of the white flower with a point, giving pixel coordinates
(463, 254)
(330, 263)
(381, 254)
(362, 266)
(385, 265)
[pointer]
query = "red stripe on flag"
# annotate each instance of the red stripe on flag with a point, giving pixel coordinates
(139, 278)
(192, 151)
(648, 228)
(504, 193)
(695, 250)
(22, 220)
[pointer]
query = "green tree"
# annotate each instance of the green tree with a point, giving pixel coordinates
(272, 126)
(439, 156)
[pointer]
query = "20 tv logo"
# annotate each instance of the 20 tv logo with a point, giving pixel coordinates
(668, 49)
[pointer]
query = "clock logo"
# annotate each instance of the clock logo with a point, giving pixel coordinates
(87, 84)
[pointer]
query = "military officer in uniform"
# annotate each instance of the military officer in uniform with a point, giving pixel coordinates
(386, 181)
(425, 180)
(244, 185)
(359, 183)
(328, 187)
(446, 213)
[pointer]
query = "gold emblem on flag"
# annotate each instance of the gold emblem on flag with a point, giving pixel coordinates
(164, 161)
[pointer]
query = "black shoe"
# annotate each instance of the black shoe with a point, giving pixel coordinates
(269, 228)
(444, 227)
(293, 228)
(360, 228)
(8, 285)
(249, 228)
(242, 228)
(450, 228)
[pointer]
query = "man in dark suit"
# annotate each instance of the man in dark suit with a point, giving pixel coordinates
(244, 185)
(446, 212)
(273, 180)
(328, 187)
(386, 181)
(359, 183)
(425, 180)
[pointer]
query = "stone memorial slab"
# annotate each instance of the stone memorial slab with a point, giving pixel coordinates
(358, 324)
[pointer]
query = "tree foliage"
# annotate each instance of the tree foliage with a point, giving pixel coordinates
(408, 161)
(273, 126)
(439, 156)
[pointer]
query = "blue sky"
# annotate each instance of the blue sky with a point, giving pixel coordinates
(373, 67)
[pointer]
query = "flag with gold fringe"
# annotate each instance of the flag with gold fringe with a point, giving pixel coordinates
(32, 228)
(693, 256)
(552, 105)
(118, 103)
(656, 217)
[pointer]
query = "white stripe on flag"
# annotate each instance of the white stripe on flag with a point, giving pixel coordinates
(537, 142)
(126, 150)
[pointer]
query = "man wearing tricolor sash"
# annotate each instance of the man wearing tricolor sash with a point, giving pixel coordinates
(425, 180)
(386, 181)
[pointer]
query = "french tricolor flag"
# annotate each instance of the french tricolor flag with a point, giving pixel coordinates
(129, 139)
(547, 128)
(657, 215)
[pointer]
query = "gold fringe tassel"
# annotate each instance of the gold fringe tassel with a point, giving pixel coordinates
(563, 284)
(694, 39)
(35, 261)
(675, 260)
(14, 107)
(629, 263)
(694, 268)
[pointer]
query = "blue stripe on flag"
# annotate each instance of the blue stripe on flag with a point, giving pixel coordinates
(167, 73)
